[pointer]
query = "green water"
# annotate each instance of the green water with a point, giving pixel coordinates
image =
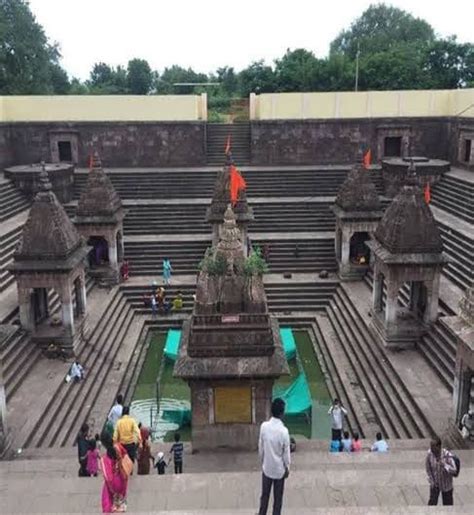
(175, 394)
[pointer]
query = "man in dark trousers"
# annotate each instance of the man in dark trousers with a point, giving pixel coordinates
(274, 451)
(440, 469)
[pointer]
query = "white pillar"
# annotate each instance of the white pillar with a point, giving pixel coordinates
(83, 295)
(345, 251)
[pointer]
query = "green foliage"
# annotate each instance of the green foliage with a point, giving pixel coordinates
(254, 264)
(213, 264)
(257, 78)
(139, 77)
(397, 51)
(380, 28)
(28, 62)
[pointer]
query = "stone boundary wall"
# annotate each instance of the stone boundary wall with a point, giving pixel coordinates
(287, 142)
(120, 144)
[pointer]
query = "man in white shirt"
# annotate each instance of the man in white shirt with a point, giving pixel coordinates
(274, 451)
(337, 413)
(380, 445)
(116, 411)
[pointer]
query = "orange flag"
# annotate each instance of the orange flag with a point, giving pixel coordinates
(427, 193)
(237, 183)
(367, 159)
(227, 145)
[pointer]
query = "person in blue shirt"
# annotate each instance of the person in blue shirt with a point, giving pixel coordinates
(380, 445)
(335, 446)
(346, 442)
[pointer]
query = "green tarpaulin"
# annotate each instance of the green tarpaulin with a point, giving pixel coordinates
(172, 344)
(288, 341)
(297, 396)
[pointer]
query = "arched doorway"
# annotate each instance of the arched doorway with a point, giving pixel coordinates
(359, 252)
(99, 254)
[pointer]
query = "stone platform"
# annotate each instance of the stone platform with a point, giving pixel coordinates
(319, 483)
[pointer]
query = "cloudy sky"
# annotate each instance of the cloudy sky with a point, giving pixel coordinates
(207, 34)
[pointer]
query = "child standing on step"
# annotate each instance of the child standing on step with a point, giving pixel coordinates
(177, 450)
(93, 456)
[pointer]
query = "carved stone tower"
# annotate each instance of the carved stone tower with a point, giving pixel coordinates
(231, 352)
(220, 201)
(51, 255)
(358, 212)
(407, 248)
(99, 219)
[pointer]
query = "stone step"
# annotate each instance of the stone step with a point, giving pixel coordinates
(400, 416)
(87, 356)
(366, 483)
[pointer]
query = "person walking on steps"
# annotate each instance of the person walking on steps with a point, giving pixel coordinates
(127, 433)
(440, 468)
(337, 413)
(167, 269)
(274, 452)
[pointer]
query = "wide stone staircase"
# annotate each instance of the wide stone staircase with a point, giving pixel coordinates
(216, 139)
(228, 483)
(12, 200)
(184, 183)
(456, 196)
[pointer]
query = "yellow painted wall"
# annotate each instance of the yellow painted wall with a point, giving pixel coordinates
(102, 108)
(371, 104)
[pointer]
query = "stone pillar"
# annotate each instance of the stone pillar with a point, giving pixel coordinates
(415, 290)
(391, 307)
(81, 295)
(113, 261)
(377, 291)
(67, 311)
(431, 311)
(345, 250)
(26, 315)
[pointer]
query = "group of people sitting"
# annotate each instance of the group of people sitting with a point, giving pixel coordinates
(348, 444)
(159, 303)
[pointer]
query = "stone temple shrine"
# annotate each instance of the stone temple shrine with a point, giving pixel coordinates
(231, 351)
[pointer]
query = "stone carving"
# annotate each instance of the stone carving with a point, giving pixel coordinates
(358, 192)
(466, 306)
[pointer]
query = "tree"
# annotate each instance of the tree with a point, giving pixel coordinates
(106, 80)
(398, 68)
(139, 77)
(28, 62)
(176, 74)
(59, 80)
(228, 79)
(257, 78)
(449, 64)
(381, 28)
(297, 70)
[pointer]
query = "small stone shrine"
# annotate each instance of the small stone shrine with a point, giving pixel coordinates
(99, 219)
(463, 327)
(358, 212)
(51, 255)
(395, 171)
(407, 248)
(220, 201)
(27, 179)
(231, 352)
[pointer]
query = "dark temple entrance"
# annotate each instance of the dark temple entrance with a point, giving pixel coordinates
(65, 151)
(393, 146)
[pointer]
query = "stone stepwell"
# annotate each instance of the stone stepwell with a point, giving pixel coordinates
(223, 483)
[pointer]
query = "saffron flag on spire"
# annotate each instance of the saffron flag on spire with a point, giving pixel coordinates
(427, 193)
(367, 159)
(237, 183)
(227, 146)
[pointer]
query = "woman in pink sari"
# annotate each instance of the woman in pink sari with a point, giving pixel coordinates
(114, 491)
